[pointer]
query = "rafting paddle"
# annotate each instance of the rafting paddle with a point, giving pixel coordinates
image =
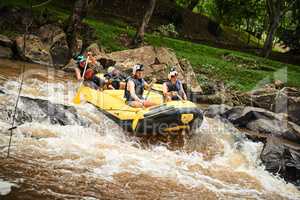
(76, 99)
(150, 87)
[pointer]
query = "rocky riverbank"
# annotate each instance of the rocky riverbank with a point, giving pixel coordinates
(271, 113)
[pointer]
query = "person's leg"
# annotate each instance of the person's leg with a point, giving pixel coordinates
(135, 104)
(98, 81)
(148, 103)
(122, 85)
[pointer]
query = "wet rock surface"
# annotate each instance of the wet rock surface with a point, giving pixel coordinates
(38, 110)
(5, 41)
(6, 52)
(258, 120)
(277, 99)
(5, 47)
(281, 152)
(282, 157)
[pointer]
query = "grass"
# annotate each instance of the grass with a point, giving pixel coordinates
(235, 73)
(108, 34)
(240, 71)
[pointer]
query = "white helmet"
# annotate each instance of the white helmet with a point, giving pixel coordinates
(172, 73)
(137, 67)
(110, 69)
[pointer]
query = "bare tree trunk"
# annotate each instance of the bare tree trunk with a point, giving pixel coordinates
(267, 49)
(79, 12)
(192, 4)
(249, 35)
(276, 9)
(139, 37)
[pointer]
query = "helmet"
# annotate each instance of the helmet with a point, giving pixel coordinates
(137, 67)
(110, 69)
(172, 73)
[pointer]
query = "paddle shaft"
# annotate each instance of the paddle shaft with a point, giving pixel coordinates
(150, 88)
(85, 67)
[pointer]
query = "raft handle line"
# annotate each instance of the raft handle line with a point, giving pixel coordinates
(21, 84)
(15, 111)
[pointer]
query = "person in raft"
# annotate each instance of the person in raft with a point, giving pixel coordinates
(115, 80)
(172, 89)
(90, 73)
(134, 88)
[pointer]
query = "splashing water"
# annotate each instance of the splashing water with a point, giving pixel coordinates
(98, 160)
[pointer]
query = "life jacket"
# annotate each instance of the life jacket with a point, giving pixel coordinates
(139, 85)
(114, 79)
(174, 88)
(89, 73)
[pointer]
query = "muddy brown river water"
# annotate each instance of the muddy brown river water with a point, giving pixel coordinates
(99, 161)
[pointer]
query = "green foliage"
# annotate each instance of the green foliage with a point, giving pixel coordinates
(289, 30)
(243, 72)
(108, 35)
(167, 30)
(238, 70)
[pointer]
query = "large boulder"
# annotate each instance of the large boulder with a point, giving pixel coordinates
(158, 62)
(39, 110)
(70, 67)
(280, 100)
(5, 52)
(259, 120)
(55, 40)
(216, 110)
(35, 50)
(95, 50)
(282, 157)
(100, 55)
(287, 101)
(190, 79)
(5, 41)
(5, 47)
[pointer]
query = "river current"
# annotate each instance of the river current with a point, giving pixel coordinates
(100, 161)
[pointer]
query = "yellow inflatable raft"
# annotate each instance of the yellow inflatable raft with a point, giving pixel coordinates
(166, 117)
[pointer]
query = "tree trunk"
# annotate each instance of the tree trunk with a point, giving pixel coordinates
(267, 49)
(249, 35)
(276, 9)
(192, 4)
(139, 37)
(79, 12)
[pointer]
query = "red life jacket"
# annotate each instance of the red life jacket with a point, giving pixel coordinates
(89, 74)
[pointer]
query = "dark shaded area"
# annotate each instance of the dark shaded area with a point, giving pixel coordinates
(281, 158)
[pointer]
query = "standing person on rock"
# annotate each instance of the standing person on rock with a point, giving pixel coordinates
(90, 73)
(173, 89)
(134, 88)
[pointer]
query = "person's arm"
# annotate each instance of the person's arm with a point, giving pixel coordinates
(130, 88)
(149, 86)
(165, 89)
(78, 74)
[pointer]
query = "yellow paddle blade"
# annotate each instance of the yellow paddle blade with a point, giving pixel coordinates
(77, 97)
(138, 116)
